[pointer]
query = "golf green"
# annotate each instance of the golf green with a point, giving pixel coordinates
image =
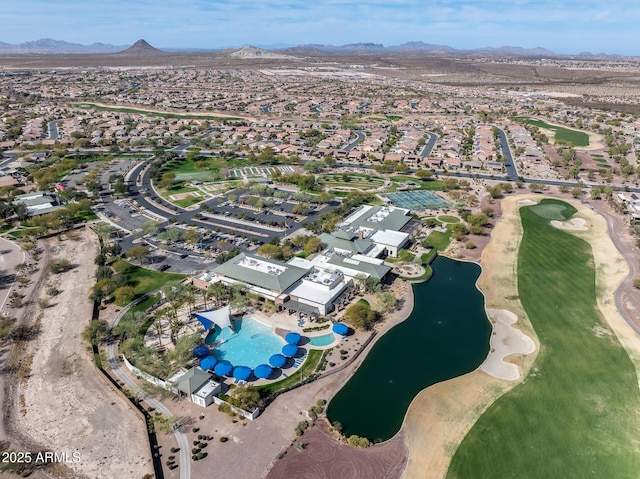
(446, 335)
(576, 414)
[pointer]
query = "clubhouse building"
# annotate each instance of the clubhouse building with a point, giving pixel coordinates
(352, 253)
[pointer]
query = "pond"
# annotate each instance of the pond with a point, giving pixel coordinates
(446, 335)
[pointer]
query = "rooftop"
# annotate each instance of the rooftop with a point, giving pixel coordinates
(262, 272)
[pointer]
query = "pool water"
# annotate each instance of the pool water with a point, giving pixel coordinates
(324, 340)
(250, 344)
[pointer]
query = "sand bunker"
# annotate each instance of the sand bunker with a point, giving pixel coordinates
(576, 224)
(526, 202)
(505, 341)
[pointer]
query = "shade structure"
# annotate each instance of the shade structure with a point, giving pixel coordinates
(290, 350)
(277, 360)
(242, 373)
(292, 338)
(210, 318)
(263, 371)
(208, 363)
(341, 329)
(223, 368)
(201, 351)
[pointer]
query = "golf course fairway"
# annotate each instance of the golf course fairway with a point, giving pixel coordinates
(576, 415)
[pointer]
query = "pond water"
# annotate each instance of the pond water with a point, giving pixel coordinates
(447, 335)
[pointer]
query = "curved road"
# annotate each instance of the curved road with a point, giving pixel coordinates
(627, 281)
(181, 437)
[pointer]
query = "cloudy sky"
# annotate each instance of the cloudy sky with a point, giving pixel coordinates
(568, 26)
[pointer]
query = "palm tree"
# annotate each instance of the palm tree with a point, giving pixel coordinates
(175, 325)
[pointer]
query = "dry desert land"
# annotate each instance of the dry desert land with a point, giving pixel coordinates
(64, 404)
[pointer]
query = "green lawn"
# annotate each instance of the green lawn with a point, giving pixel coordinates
(575, 137)
(308, 368)
(142, 111)
(431, 185)
(439, 240)
(146, 280)
(449, 219)
(202, 169)
(576, 415)
(355, 181)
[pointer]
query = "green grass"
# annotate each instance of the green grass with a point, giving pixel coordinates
(439, 241)
(207, 169)
(575, 137)
(339, 194)
(430, 185)
(154, 113)
(355, 181)
(143, 305)
(146, 280)
(449, 219)
(308, 368)
(576, 415)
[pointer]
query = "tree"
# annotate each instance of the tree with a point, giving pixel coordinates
(167, 179)
(59, 266)
(270, 251)
(245, 397)
(536, 187)
(314, 166)
(124, 294)
(191, 236)
(386, 300)
(96, 332)
(313, 245)
(360, 315)
(138, 252)
(494, 191)
(424, 174)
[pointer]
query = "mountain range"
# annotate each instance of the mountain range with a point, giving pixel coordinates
(48, 45)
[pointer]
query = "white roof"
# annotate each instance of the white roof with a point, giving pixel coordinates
(389, 237)
(317, 293)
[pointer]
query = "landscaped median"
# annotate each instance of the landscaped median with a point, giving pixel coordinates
(575, 415)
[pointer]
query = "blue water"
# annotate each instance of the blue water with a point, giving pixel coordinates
(324, 340)
(251, 343)
(446, 335)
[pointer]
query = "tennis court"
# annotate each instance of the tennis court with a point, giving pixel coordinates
(417, 200)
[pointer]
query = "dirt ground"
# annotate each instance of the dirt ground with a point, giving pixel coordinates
(64, 405)
(324, 456)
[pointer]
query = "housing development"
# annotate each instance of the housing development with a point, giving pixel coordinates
(264, 263)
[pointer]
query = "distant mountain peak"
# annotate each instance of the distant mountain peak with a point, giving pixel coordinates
(141, 48)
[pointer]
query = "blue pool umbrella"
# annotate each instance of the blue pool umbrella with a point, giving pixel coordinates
(208, 363)
(341, 329)
(223, 368)
(201, 351)
(290, 350)
(292, 338)
(242, 373)
(263, 371)
(277, 360)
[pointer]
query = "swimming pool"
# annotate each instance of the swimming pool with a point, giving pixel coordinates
(324, 340)
(252, 343)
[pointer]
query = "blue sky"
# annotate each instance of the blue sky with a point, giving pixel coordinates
(563, 26)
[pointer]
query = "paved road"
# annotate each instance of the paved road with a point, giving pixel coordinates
(360, 138)
(181, 438)
(53, 130)
(510, 165)
(431, 142)
(627, 281)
